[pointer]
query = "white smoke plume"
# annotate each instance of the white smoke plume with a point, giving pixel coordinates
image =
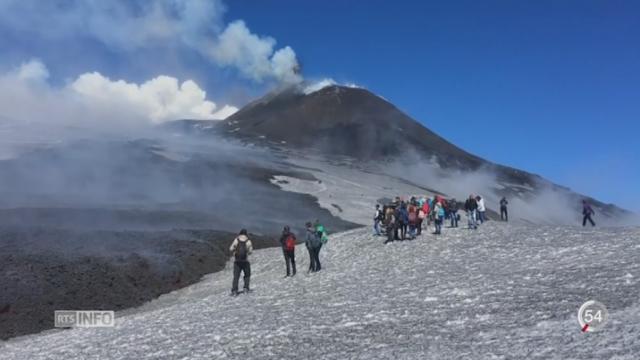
(26, 96)
(314, 86)
(127, 25)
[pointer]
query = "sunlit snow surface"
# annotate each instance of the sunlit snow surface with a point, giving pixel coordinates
(503, 292)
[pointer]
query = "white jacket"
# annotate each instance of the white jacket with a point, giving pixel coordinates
(241, 238)
(481, 206)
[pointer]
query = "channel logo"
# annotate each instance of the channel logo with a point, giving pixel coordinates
(83, 318)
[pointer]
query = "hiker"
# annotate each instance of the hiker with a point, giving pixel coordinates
(438, 217)
(390, 224)
(413, 219)
(309, 242)
(481, 209)
(377, 218)
(431, 217)
(453, 212)
(504, 215)
(288, 242)
(241, 248)
(587, 211)
(426, 207)
(324, 238)
(402, 220)
(471, 206)
(421, 216)
(313, 243)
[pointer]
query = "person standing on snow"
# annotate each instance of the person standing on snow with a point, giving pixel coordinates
(288, 243)
(241, 248)
(413, 220)
(426, 207)
(377, 218)
(421, 216)
(471, 207)
(402, 218)
(504, 215)
(453, 212)
(587, 211)
(481, 209)
(439, 212)
(390, 224)
(310, 242)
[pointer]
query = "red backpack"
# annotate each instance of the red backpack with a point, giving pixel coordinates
(290, 243)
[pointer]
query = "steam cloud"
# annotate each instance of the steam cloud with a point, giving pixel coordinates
(127, 25)
(26, 96)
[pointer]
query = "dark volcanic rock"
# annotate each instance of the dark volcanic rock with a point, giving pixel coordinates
(343, 121)
(43, 270)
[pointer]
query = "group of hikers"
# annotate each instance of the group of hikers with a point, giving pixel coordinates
(402, 220)
(241, 248)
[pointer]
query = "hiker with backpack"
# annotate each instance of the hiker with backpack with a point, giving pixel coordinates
(453, 212)
(313, 241)
(241, 248)
(504, 215)
(288, 242)
(471, 206)
(587, 211)
(377, 218)
(324, 237)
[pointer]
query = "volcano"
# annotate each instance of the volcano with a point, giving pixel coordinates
(343, 121)
(354, 123)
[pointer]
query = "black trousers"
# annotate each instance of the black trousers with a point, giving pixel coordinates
(314, 255)
(245, 268)
(587, 217)
(290, 259)
(504, 215)
(391, 231)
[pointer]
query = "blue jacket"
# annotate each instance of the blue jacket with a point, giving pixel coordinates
(403, 215)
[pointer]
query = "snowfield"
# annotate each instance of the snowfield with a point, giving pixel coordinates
(501, 292)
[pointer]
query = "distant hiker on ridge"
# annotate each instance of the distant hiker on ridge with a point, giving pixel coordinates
(288, 243)
(587, 211)
(241, 248)
(504, 215)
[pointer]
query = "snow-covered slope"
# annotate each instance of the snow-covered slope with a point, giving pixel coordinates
(503, 292)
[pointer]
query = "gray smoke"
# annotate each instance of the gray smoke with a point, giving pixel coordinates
(127, 26)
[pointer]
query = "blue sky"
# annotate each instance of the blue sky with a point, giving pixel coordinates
(551, 87)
